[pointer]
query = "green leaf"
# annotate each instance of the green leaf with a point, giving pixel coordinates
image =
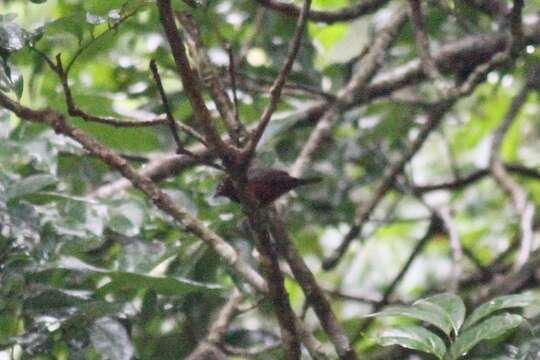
(449, 305)
(414, 337)
(52, 299)
(186, 5)
(30, 185)
(431, 315)
(487, 329)
(38, 1)
(111, 339)
(502, 302)
(122, 281)
(18, 86)
(100, 7)
(74, 24)
(12, 38)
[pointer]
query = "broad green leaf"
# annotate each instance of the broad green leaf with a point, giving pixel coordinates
(450, 305)
(414, 337)
(74, 24)
(499, 303)
(6, 84)
(30, 185)
(38, 1)
(432, 315)
(53, 298)
(121, 281)
(100, 7)
(111, 339)
(18, 86)
(485, 330)
(12, 38)
(280, 123)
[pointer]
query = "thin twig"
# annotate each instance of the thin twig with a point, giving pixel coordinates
(522, 206)
(433, 120)
(232, 76)
(344, 14)
(110, 28)
(180, 149)
(209, 74)
(214, 339)
(367, 68)
(433, 227)
(275, 91)
(191, 81)
(455, 244)
(250, 38)
(422, 43)
(475, 176)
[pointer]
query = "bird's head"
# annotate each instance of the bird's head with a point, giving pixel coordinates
(226, 189)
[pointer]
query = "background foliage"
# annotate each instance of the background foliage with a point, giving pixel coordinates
(90, 272)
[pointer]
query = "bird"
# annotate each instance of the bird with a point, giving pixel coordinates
(266, 185)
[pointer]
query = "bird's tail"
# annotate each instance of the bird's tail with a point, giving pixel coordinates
(307, 181)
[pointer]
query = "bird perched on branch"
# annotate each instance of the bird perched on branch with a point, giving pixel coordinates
(265, 184)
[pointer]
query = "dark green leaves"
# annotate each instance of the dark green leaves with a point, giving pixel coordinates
(414, 337)
(12, 38)
(122, 281)
(500, 303)
(447, 312)
(488, 329)
(110, 337)
(29, 185)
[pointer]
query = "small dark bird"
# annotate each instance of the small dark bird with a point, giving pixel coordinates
(265, 184)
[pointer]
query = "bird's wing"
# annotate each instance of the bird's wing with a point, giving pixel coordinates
(267, 175)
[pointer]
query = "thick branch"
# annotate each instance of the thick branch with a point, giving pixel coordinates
(313, 292)
(189, 79)
(210, 76)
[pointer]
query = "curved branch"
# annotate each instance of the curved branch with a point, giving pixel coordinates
(344, 14)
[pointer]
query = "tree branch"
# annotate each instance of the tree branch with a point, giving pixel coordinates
(313, 292)
(344, 14)
(367, 68)
(190, 81)
(522, 206)
(277, 86)
(212, 80)
(363, 214)
(143, 183)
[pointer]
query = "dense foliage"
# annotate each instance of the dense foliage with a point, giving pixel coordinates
(420, 116)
